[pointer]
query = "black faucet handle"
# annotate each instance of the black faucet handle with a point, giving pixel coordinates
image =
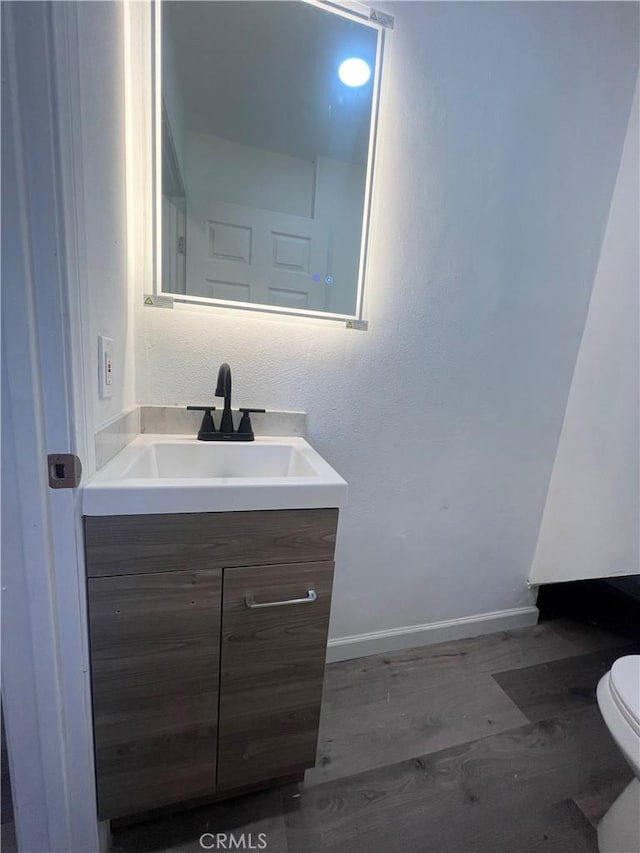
(246, 427)
(207, 427)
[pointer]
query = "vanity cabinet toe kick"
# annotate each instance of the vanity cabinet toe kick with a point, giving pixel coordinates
(208, 636)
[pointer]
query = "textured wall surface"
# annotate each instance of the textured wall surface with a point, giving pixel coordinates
(590, 523)
(503, 127)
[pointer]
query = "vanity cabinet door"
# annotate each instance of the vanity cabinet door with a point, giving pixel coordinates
(155, 641)
(274, 635)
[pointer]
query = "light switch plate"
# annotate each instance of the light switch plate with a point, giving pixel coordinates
(105, 366)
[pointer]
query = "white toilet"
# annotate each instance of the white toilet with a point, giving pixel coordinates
(619, 701)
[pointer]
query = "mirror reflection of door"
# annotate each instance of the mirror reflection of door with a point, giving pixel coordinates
(249, 254)
(264, 152)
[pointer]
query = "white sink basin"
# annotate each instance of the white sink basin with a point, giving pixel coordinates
(204, 460)
(167, 474)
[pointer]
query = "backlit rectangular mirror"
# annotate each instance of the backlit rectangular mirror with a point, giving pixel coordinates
(265, 144)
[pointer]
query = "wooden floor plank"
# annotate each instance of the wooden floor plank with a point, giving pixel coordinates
(451, 800)
(350, 682)
(411, 718)
(551, 689)
(559, 828)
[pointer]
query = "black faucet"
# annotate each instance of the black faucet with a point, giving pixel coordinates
(208, 430)
(223, 389)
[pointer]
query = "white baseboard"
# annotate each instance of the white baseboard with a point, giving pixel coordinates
(359, 645)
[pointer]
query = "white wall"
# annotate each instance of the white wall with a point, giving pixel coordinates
(100, 34)
(503, 127)
(590, 526)
(215, 168)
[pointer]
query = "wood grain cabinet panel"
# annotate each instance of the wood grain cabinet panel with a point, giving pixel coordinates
(131, 544)
(155, 641)
(272, 669)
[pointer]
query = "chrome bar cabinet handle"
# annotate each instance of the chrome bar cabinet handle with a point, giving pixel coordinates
(252, 604)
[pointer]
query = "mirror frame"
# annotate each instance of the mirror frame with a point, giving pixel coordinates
(377, 20)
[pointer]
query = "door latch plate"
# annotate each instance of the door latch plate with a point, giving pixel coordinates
(65, 471)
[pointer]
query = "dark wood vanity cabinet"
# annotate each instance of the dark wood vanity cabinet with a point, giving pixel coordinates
(207, 644)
